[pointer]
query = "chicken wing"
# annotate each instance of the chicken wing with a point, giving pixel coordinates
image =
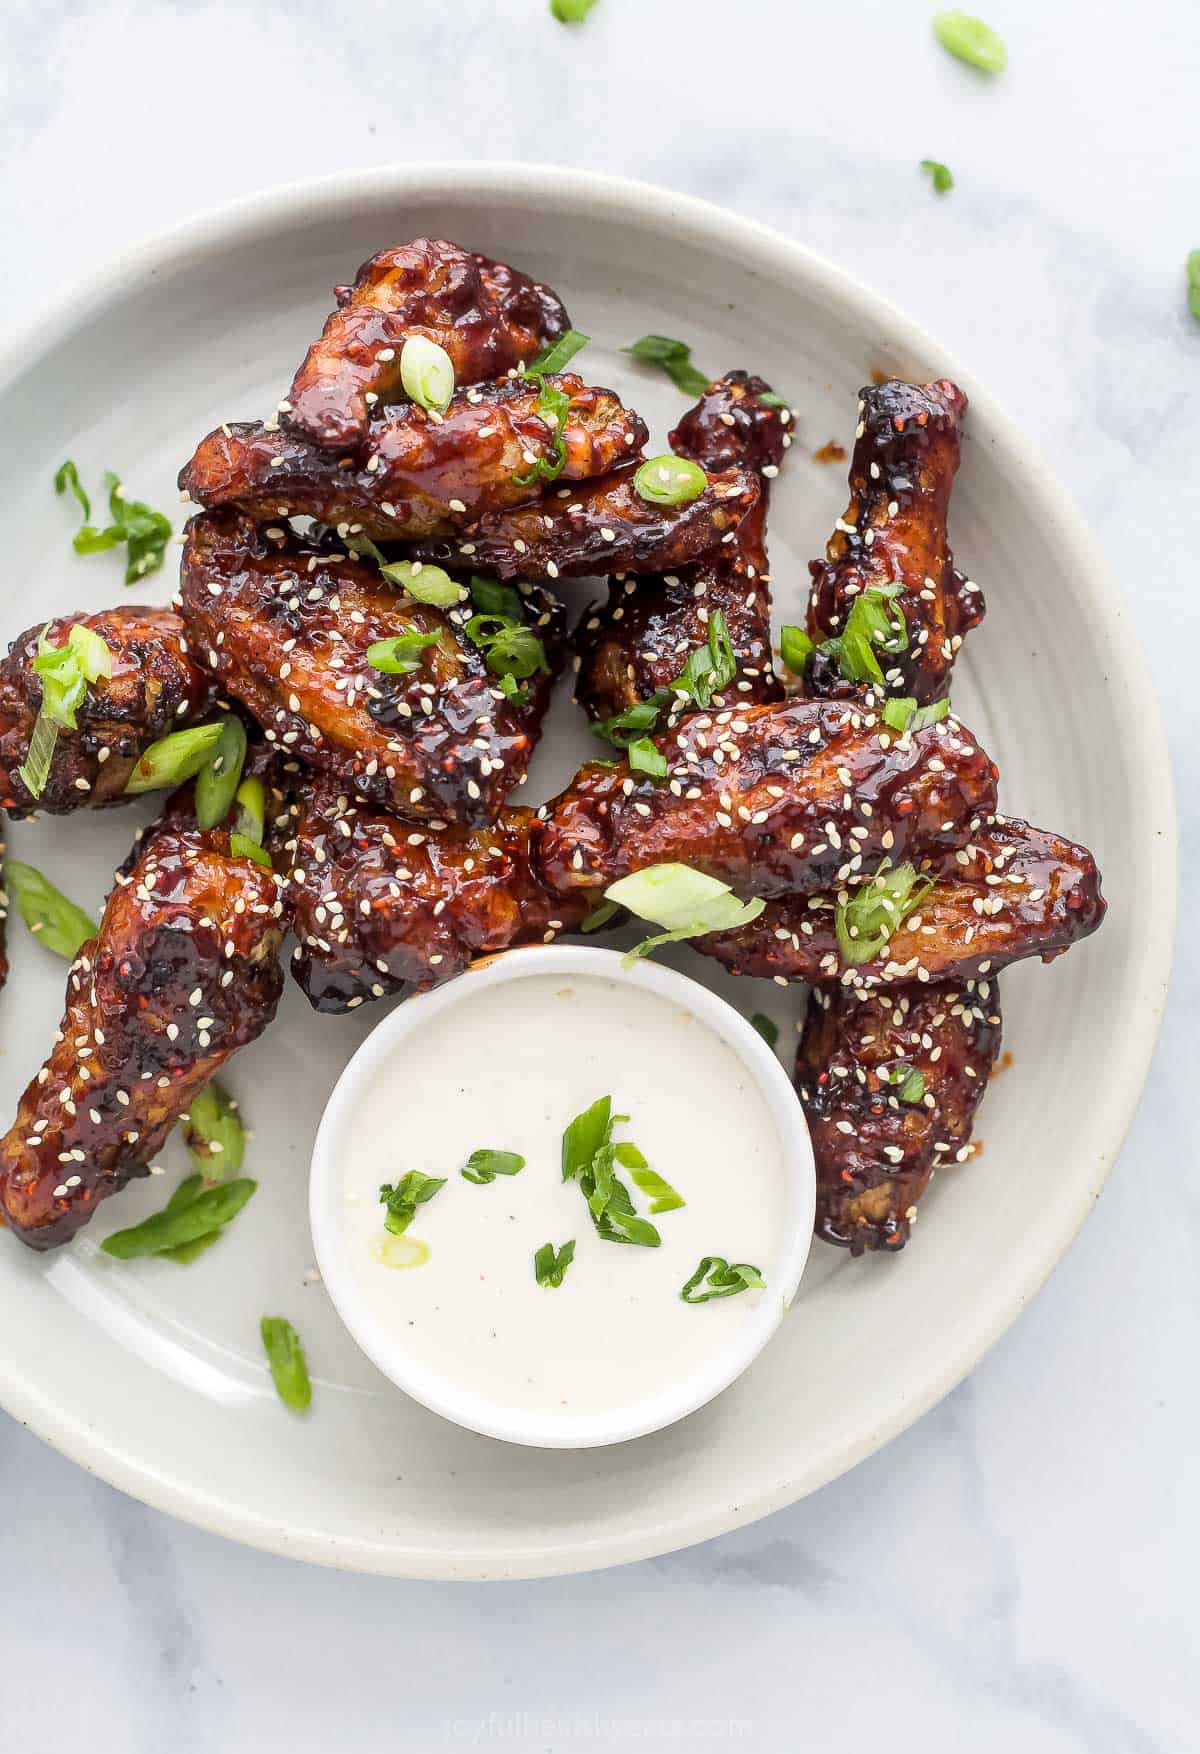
(893, 532)
(156, 686)
(775, 800)
(635, 645)
(890, 1082)
(417, 475)
(604, 525)
(379, 908)
(489, 317)
(183, 972)
(1014, 892)
(288, 625)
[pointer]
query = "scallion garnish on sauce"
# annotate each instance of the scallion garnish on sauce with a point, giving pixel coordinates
(669, 480)
(49, 914)
(483, 1166)
(969, 39)
(400, 655)
(717, 1277)
(902, 713)
(213, 1133)
(173, 759)
(875, 621)
(218, 780)
(553, 404)
(558, 356)
(427, 373)
(402, 1199)
(939, 174)
(795, 648)
(868, 919)
(588, 1157)
(549, 1266)
(65, 673)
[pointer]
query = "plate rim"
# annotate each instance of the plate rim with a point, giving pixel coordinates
(682, 215)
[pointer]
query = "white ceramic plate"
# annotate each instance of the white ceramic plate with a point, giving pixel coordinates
(151, 1374)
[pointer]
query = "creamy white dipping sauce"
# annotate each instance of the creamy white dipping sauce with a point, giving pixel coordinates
(508, 1068)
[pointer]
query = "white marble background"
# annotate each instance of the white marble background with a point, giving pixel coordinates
(1019, 1570)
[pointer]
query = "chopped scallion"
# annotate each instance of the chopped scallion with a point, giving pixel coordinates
(427, 373)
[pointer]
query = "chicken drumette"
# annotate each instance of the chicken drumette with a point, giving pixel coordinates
(415, 474)
(892, 536)
(183, 971)
(633, 647)
(156, 686)
(288, 625)
(890, 1082)
(489, 318)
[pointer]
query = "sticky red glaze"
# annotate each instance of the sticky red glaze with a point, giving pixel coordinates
(184, 919)
(488, 317)
(156, 686)
(905, 457)
(602, 526)
(286, 624)
(772, 800)
(1012, 893)
(870, 1177)
(417, 475)
(380, 908)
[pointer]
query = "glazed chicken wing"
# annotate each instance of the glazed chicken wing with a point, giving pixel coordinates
(489, 318)
(890, 1082)
(418, 475)
(603, 525)
(183, 972)
(893, 532)
(774, 800)
(1012, 893)
(287, 625)
(156, 686)
(379, 908)
(636, 644)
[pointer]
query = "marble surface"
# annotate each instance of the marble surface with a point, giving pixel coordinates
(1019, 1569)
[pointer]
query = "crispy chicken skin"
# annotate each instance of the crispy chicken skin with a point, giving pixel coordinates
(894, 531)
(603, 525)
(875, 1153)
(1012, 893)
(286, 625)
(156, 686)
(775, 800)
(639, 640)
(379, 909)
(416, 476)
(183, 972)
(489, 317)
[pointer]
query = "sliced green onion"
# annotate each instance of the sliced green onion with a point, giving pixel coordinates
(427, 373)
(674, 358)
(769, 399)
(553, 406)
(710, 667)
(34, 771)
(766, 1028)
(252, 809)
(571, 11)
(940, 173)
(644, 757)
(425, 584)
(490, 597)
(661, 1195)
(402, 1200)
(401, 655)
(67, 476)
(484, 1166)
(910, 1079)
(600, 916)
(242, 847)
(208, 1212)
(550, 1267)
(970, 40)
(795, 648)
(669, 480)
(189, 1189)
(588, 1155)
(285, 1355)
(687, 902)
(509, 648)
(560, 353)
(902, 713)
(720, 1279)
(873, 913)
(50, 916)
(1193, 280)
(584, 1137)
(627, 726)
(511, 689)
(219, 778)
(173, 759)
(65, 672)
(213, 1133)
(875, 620)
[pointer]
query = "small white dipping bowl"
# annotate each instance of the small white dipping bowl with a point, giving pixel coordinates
(735, 1346)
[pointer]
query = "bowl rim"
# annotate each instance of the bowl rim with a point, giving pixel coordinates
(672, 1402)
(689, 217)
